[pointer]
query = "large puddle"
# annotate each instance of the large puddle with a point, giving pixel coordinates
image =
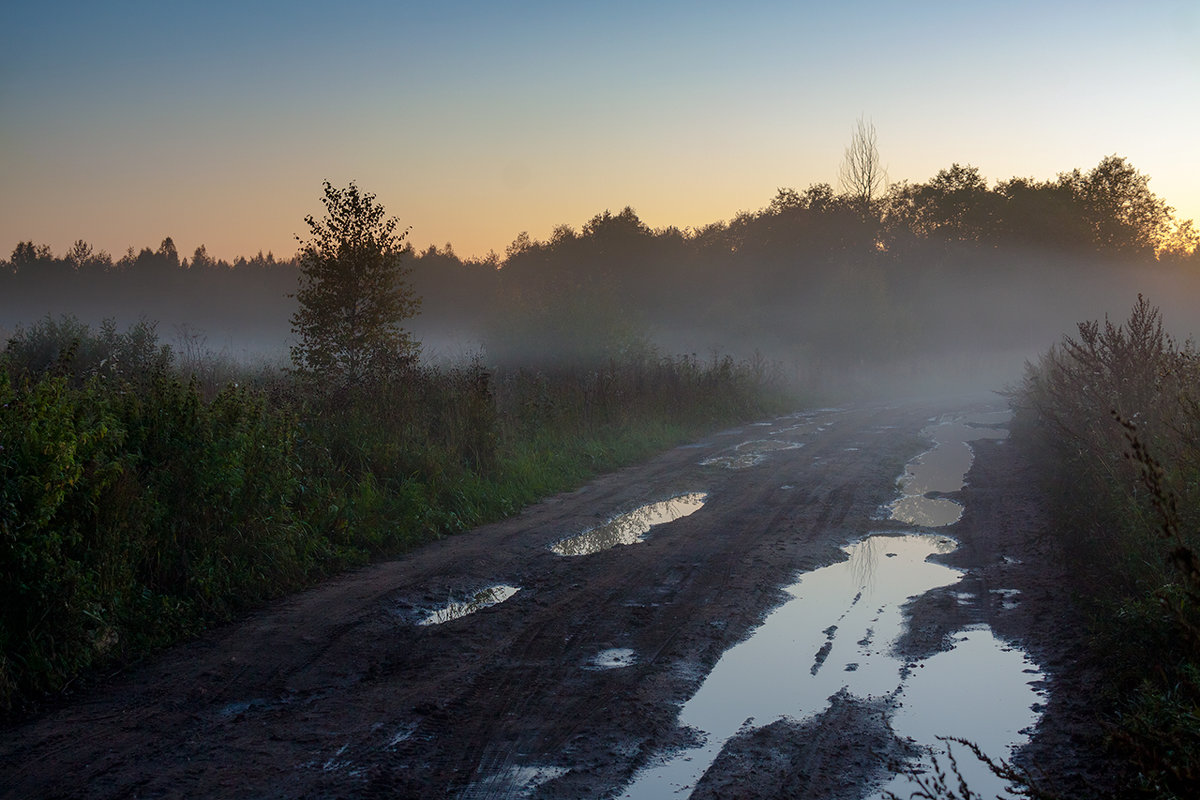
(837, 634)
(629, 528)
(943, 469)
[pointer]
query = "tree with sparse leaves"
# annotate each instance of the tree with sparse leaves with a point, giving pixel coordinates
(353, 294)
(862, 175)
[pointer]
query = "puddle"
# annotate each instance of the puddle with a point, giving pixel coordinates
(836, 634)
(615, 658)
(461, 608)
(806, 422)
(630, 528)
(953, 695)
(749, 454)
(943, 469)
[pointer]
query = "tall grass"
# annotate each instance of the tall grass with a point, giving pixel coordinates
(1113, 416)
(140, 503)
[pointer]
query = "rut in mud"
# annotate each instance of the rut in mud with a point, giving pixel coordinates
(578, 682)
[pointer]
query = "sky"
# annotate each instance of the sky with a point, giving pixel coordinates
(216, 123)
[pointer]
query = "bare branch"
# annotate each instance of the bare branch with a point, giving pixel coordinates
(862, 175)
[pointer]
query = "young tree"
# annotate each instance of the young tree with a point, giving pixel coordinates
(353, 294)
(862, 175)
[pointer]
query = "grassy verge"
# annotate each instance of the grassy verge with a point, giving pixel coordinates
(1113, 417)
(139, 504)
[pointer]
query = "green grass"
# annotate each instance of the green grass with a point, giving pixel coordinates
(139, 505)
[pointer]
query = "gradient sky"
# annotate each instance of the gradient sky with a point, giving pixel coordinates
(215, 123)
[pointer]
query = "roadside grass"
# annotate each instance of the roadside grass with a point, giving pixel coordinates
(1112, 417)
(143, 500)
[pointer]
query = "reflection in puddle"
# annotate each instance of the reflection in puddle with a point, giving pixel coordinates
(749, 454)
(956, 694)
(629, 528)
(461, 608)
(837, 634)
(943, 469)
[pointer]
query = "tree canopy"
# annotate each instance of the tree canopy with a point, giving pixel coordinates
(353, 295)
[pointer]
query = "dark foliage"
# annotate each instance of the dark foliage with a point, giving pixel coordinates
(353, 297)
(1114, 418)
(136, 507)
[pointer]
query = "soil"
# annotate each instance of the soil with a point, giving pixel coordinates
(338, 692)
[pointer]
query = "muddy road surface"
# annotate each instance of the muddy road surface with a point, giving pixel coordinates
(526, 659)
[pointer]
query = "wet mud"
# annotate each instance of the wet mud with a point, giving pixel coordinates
(823, 758)
(574, 685)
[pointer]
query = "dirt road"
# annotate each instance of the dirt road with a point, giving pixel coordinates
(339, 692)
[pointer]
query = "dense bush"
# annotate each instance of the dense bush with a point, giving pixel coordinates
(69, 347)
(138, 506)
(130, 516)
(1114, 417)
(1075, 397)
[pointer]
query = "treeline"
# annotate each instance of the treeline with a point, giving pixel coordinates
(815, 278)
(1112, 417)
(247, 297)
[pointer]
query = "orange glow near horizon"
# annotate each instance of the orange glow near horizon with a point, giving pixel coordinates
(217, 128)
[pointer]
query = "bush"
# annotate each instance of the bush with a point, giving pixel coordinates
(137, 506)
(1114, 418)
(68, 347)
(1070, 408)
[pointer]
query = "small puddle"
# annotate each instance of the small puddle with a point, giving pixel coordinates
(837, 635)
(749, 454)
(816, 420)
(478, 601)
(630, 528)
(614, 658)
(943, 469)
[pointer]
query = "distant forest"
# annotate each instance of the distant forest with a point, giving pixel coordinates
(813, 279)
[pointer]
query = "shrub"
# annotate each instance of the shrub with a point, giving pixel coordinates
(138, 506)
(1114, 417)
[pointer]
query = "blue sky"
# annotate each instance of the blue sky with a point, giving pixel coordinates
(215, 123)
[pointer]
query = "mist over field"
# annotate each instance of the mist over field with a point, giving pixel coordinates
(938, 286)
